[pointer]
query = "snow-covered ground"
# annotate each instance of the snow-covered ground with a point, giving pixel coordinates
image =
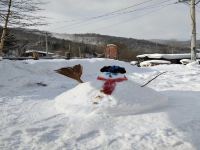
(34, 115)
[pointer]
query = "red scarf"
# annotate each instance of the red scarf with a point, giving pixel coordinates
(110, 84)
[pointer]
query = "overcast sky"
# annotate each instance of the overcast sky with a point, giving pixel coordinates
(152, 20)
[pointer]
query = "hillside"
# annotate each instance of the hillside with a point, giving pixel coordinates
(87, 43)
(175, 42)
(25, 39)
(137, 45)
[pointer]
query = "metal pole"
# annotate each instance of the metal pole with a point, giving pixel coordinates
(193, 38)
(47, 49)
(80, 52)
(70, 51)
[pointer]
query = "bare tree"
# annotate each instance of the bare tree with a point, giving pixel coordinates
(19, 13)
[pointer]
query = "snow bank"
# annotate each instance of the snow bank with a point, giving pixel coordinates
(194, 64)
(127, 99)
(134, 63)
(153, 62)
(167, 56)
(25, 75)
(186, 61)
(29, 120)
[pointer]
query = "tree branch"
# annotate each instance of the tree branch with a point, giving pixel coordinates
(153, 79)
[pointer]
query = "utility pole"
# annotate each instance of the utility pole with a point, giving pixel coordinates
(47, 49)
(192, 4)
(193, 38)
(70, 51)
(80, 52)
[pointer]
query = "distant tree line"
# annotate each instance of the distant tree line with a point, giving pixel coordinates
(19, 40)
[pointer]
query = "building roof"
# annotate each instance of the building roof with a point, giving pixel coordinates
(167, 56)
(41, 52)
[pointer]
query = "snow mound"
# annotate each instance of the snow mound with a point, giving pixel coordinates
(134, 63)
(194, 64)
(154, 62)
(127, 99)
(167, 56)
(186, 61)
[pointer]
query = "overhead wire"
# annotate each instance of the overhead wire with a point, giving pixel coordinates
(154, 5)
(133, 19)
(130, 12)
(112, 12)
(197, 2)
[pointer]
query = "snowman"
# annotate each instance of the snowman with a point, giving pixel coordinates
(110, 75)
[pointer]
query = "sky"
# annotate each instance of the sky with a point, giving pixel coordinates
(153, 19)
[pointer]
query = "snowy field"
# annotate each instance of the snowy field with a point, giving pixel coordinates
(40, 109)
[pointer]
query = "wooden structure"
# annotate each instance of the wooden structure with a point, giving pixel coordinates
(111, 51)
(154, 63)
(173, 58)
(37, 54)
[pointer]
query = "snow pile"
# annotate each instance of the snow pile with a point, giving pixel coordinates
(30, 120)
(194, 64)
(128, 98)
(134, 63)
(167, 56)
(186, 61)
(154, 62)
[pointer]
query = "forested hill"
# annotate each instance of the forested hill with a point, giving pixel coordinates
(176, 42)
(136, 45)
(23, 39)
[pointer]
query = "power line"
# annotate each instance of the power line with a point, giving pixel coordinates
(117, 14)
(148, 7)
(112, 12)
(197, 2)
(148, 13)
(145, 14)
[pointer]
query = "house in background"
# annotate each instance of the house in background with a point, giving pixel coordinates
(156, 59)
(37, 54)
(111, 51)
